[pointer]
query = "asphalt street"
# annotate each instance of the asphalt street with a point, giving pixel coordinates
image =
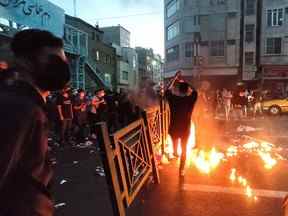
(80, 187)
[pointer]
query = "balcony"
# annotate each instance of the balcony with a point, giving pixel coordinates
(75, 41)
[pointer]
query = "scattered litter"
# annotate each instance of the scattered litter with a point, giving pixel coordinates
(53, 161)
(60, 205)
(63, 181)
(85, 145)
(243, 128)
(100, 171)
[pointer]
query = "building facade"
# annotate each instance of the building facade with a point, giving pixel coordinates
(226, 40)
(202, 38)
(100, 64)
(127, 61)
(274, 44)
(117, 35)
(127, 67)
(150, 65)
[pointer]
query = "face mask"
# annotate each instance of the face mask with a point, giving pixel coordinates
(52, 75)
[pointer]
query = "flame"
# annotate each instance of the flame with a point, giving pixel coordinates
(269, 162)
(249, 191)
(232, 151)
(233, 175)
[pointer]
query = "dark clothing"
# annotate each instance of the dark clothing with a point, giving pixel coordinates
(65, 131)
(181, 112)
(181, 115)
(24, 167)
(66, 106)
(81, 114)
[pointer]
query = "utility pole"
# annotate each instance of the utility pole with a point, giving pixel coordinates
(75, 8)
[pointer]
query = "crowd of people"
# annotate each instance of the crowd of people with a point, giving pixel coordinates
(237, 104)
(73, 114)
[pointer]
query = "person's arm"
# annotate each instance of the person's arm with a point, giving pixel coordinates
(173, 81)
(59, 108)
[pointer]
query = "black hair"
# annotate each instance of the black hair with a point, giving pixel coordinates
(81, 91)
(183, 87)
(98, 90)
(29, 42)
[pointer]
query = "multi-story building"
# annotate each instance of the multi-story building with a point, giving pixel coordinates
(100, 64)
(117, 35)
(127, 67)
(250, 25)
(202, 38)
(227, 40)
(274, 44)
(150, 65)
(127, 62)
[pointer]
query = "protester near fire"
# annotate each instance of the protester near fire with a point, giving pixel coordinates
(25, 171)
(182, 99)
(227, 98)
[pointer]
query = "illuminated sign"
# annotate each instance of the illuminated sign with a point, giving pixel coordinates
(40, 14)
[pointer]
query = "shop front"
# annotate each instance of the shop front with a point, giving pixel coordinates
(275, 79)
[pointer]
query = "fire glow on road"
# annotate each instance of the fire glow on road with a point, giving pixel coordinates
(207, 161)
(234, 190)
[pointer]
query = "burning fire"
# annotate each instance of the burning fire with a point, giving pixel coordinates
(206, 161)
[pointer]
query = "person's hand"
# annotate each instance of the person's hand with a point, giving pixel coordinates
(61, 118)
(178, 74)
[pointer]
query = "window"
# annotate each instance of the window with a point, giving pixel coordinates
(172, 8)
(134, 62)
(196, 20)
(250, 7)
(275, 17)
(107, 78)
(125, 75)
(249, 58)
(189, 49)
(172, 53)
(97, 56)
(217, 2)
(173, 30)
(217, 48)
(108, 59)
(274, 46)
(249, 29)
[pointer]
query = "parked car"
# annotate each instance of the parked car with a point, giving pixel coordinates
(275, 106)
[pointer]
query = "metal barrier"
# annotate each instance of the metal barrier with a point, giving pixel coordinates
(129, 161)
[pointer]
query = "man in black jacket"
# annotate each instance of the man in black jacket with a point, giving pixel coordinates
(181, 101)
(25, 172)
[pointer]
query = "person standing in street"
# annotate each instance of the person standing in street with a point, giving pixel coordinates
(94, 114)
(227, 98)
(65, 112)
(181, 100)
(40, 66)
(80, 105)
